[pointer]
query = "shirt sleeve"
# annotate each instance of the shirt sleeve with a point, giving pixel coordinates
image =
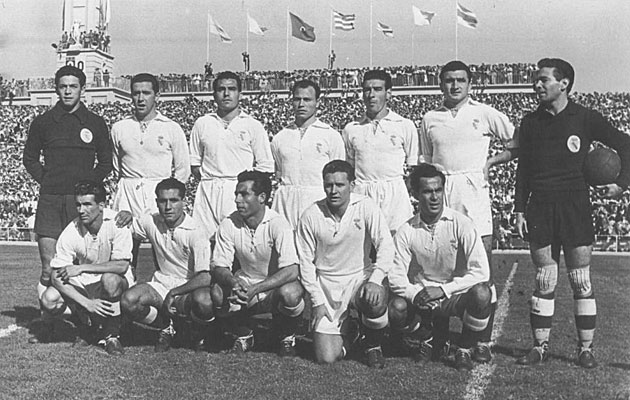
(426, 146)
(196, 148)
(285, 245)
(200, 245)
(307, 247)
(181, 159)
(337, 146)
(139, 224)
(263, 160)
(399, 274)
(477, 268)
(500, 125)
(522, 189)
(348, 145)
(115, 150)
(275, 153)
(121, 244)
(382, 241)
(65, 253)
(224, 247)
(103, 152)
(411, 143)
(33, 150)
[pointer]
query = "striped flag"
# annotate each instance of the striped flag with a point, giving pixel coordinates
(344, 22)
(466, 17)
(387, 31)
(422, 17)
(216, 29)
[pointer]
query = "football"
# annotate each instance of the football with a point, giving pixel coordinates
(601, 166)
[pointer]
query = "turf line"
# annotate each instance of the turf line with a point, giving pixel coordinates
(482, 373)
(8, 330)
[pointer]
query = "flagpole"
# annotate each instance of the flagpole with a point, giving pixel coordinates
(288, 22)
(456, 49)
(412, 46)
(371, 28)
(208, 39)
(247, 34)
(331, 35)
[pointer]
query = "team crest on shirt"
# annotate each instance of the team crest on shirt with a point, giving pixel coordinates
(244, 136)
(357, 223)
(161, 140)
(319, 147)
(574, 143)
(475, 123)
(86, 135)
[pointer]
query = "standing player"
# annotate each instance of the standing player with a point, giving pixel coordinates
(300, 152)
(180, 287)
(91, 268)
(223, 144)
(264, 246)
(457, 137)
(440, 264)
(552, 202)
(334, 238)
(378, 146)
(148, 147)
(70, 138)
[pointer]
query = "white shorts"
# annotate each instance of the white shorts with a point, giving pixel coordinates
(213, 202)
(469, 193)
(290, 201)
(136, 195)
(340, 293)
(392, 197)
(163, 283)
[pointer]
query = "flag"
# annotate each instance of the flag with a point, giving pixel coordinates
(254, 28)
(466, 17)
(301, 30)
(387, 31)
(216, 29)
(422, 17)
(345, 22)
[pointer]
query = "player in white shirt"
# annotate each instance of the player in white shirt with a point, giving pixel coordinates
(147, 148)
(379, 146)
(180, 286)
(440, 269)
(223, 144)
(334, 239)
(300, 151)
(267, 276)
(457, 136)
(91, 269)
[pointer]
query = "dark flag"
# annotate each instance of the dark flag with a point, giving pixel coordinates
(301, 30)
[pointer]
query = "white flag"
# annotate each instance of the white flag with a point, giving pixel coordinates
(216, 29)
(254, 27)
(422, 17)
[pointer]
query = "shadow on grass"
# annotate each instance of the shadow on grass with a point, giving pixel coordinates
(23, 315)
(517, 352)
(623, 366)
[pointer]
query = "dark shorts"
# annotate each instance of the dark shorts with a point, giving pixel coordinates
(566, 223)
(54, 213)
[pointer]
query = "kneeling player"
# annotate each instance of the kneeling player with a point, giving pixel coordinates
(181, 285)
(264, 246)
(91, 268)
(335, 236)
(440, 264)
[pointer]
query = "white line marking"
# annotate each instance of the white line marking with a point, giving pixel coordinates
(8, 330)
(482, 373)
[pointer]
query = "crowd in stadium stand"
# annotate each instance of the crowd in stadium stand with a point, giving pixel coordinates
(19, 191)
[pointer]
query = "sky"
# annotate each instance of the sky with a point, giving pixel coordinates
(163, 36)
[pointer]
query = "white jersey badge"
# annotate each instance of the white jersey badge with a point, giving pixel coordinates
(86, 135)
(573, 143)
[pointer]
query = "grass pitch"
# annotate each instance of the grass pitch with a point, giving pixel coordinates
(60, 371)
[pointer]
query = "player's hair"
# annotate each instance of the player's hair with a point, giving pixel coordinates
(84, 188)
(380, 75)
(561, 70)
(455, 66)
(339, 166)
(261, 182)
(424, 170)
(171, 183)
(305, 84)
(69, 70)
(226, 75)
(146, 77)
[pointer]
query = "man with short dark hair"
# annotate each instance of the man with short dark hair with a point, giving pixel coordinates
(552, 203)
(223, 144)
(70, 138)
(180, 286)
(267, 277)
(334, 238)
(379, 146)
(147, 148)
(440, 270)
(300, 152)
(457, 136)
(91, 269)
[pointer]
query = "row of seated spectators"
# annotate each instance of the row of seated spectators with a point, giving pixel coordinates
(338, 78)
(19, 191)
